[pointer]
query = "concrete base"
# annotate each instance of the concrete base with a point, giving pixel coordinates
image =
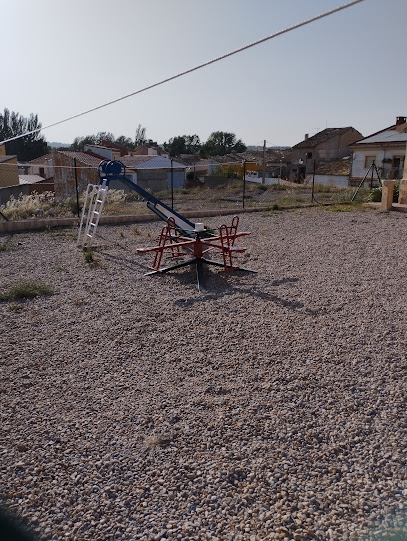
(403, 191)
(387, 194)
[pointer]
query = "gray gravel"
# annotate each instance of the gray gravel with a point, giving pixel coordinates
(271, 406)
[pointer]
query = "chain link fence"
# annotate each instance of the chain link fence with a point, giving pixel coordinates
(204, 193)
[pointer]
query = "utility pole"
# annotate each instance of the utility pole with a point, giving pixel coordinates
(264, 163)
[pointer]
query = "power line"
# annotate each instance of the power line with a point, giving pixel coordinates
(200, 66)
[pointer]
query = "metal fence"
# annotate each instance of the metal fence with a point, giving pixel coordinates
(202, 193)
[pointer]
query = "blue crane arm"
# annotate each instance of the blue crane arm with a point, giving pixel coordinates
(115, 170)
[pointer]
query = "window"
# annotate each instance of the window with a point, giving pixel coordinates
(369, 160)
(397, 165)
(398, 161)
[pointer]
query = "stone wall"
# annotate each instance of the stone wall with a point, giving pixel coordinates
(64, 178)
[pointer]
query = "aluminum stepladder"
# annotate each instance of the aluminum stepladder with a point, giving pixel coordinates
(92, 208)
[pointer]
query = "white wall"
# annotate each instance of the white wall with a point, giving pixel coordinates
(359, 156)
(341, 181)
(104, 152)
(48, 168)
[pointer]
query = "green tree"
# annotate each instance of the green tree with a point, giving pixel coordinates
(80, 142)
(192, 144)
(175, 146)
(183, 144)
(104, 136)
(26, 148)
(220, 143)
(124, 141)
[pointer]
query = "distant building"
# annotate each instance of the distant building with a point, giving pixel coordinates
(150, 172)
(66, 178)
(155, 172)
(328, 145)
(276, 162)
(42, 166)
(149, 150)
(106, 152)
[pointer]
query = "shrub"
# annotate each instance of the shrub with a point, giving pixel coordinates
(26, 289)
(396, 192)
(89, 255)
(375, 195)
(28, 206)
(6, 245)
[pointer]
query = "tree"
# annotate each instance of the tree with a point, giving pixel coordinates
(183, 144)
(220, 143)
(80, 142)
(104, 136)
(124, 141)
(26, 148)
(192, 144)
(140, 138)
(175, 146)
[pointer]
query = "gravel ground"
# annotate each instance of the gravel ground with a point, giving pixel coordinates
(271, 406)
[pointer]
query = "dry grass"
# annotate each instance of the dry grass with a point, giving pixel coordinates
(119, 202)
(157, 440)
(26, 289)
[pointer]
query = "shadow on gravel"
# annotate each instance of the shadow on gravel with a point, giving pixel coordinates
(284, 281)
(218, 286)
(124, 261)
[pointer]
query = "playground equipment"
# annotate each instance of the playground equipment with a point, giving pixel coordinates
(179, 237)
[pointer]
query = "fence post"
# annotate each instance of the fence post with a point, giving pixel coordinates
(172, 185)
(76, 186)
(313, 184)
(244, 181)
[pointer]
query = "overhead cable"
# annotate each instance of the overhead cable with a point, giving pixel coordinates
(200, 66)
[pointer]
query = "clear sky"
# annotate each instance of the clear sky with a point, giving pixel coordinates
(61, 58)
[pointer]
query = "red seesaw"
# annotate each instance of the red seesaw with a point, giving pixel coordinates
(196, 245)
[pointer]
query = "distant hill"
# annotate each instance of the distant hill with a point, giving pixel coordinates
(54, 144)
